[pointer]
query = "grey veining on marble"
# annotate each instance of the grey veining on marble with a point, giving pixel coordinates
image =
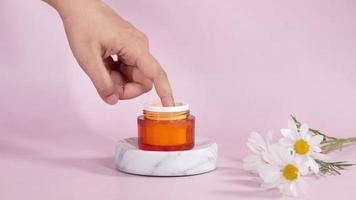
(202, 158)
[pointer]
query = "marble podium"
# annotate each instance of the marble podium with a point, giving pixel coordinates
(202, 158)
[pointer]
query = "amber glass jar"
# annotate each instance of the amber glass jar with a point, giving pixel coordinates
(166, 128)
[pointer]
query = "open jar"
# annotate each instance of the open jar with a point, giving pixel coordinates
(166, 128)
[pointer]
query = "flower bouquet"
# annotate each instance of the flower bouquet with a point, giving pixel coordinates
(300, 152)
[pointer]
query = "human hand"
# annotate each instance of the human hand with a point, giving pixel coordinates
(95, 33)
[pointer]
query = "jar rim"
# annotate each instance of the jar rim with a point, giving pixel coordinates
(157, 107)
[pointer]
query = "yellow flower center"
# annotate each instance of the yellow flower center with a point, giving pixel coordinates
(290, 172)
(301, 146)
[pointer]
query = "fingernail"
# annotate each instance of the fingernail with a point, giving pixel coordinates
(112, 99)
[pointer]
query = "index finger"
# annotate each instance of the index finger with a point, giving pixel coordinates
(153, 70)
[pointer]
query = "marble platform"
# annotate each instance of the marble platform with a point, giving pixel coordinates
(202, 158)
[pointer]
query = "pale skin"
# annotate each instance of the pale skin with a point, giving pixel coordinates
(95, 32)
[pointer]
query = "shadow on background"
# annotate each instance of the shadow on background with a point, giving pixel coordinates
(240, 183)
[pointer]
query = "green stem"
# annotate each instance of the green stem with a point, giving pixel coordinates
(332, 167)
(333, 144)
(317, 132)
(350, 140)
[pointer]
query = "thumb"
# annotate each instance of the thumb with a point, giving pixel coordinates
(94, 66)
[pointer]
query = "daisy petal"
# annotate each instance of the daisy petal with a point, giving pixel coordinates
(287, 142)
(253, 148)
(306, 136)
(288, 134)
(304, 128)
(284, 188)
(269, 137)
(293, 189)
(320, 156)
(301, 186)
(316, 139)
(316, 149)
(286, 155)
(303, 169)
(269, 173)
(313, 166)
(301, 160)
(252, 162)
(271, 185)
(292, 126)
(256, 142)
(272, 155)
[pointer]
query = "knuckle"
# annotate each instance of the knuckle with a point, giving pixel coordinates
(144, 38)
(162, 74)
(141, 39)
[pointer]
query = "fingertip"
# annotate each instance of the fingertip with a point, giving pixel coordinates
(167, 101)
(163, 89)
(112, 99)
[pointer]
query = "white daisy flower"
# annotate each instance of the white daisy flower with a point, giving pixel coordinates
(259, 147)
(283, 172)
(305, 145)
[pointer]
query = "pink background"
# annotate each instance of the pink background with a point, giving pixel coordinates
(241, 65)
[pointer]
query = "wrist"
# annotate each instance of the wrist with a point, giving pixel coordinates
(65, 8)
